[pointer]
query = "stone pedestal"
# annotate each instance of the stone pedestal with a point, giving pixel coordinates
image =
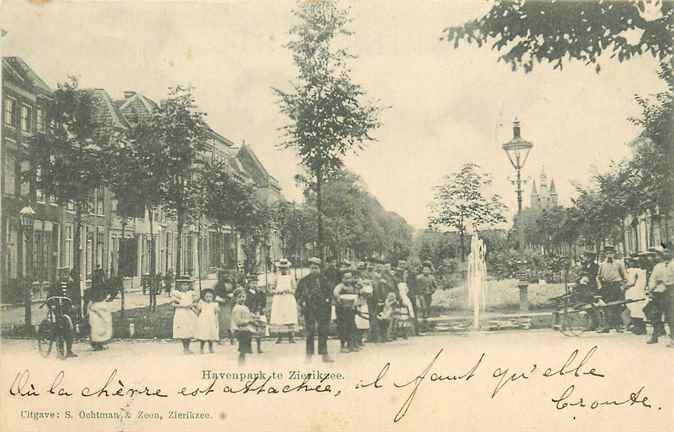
(524, 297)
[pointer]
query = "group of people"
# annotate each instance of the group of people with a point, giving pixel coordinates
(370, 302)
(646, 279)
(95, 312)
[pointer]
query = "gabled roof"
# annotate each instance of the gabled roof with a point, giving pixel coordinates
(245, 148)
(19, 70)
(136, 107)
(106, 112)
(246, 152)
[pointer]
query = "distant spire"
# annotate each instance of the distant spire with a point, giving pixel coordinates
(533, 188)
(552, 186)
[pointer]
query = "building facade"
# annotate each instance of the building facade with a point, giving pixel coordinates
(117, 245)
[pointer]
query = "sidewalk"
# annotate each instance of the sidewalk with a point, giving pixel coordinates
(14, 315)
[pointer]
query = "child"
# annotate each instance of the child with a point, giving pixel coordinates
(207, 329)
(387, 316)
(184, 318)
(256, 301)
(243, 324)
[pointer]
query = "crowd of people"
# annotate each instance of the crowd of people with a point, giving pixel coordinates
(376, 302)
(629, 292)
(369, 302)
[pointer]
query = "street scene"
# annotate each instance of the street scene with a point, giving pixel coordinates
(343, 187)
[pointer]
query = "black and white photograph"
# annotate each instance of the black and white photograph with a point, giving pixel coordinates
(336, 215)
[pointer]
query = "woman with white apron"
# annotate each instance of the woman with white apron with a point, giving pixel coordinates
(284, 306)
(635, 290)
(362, 317)
(403, 292)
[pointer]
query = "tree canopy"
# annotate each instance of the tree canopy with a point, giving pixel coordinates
(462, 201)
(530, 32)
(328, 117)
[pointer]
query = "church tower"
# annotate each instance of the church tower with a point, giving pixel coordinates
(535, 199)
(554, 198)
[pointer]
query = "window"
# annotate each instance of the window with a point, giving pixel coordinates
(100, 203)
(40, 252)
(68, 246)
(9, 111)
(70, 206)
(25, 185)
(39, 119)
(25, 118)
(10, 173)
(100, 246)
(38, 193)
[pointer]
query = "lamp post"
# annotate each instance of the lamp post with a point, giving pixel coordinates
(518, 150)
(26, 217)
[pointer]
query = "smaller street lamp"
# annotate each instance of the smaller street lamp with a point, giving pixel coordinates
(26, 218)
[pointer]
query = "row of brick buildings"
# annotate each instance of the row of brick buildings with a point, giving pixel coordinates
(25, 98)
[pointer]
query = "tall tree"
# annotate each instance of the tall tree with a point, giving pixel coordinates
(462, 201)
(67, 157)
(177, 133)
(328, 118)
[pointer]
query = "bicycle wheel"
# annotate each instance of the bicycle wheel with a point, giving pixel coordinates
(45, 339)
(574, 322)
(65, 329)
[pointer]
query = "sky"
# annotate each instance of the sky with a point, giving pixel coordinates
(443, 105)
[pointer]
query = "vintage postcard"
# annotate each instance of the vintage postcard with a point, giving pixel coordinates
(335, 215)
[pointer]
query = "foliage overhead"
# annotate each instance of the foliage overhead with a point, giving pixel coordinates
(328, 117)
(530, 32)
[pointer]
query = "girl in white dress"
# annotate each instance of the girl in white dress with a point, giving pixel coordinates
(284, 306)
(184, 317)
(208, 329)
(635, 290)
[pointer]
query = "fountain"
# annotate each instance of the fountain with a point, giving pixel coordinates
(477, 279)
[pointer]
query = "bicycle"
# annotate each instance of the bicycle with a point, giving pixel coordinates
(572, 316)
(578, 312)
(56, 329)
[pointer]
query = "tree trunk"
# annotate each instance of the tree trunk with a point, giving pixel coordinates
(77, 257)
(122, 301)
(199, 251)
(179, 246)
(153, 286)
(28, 289)
(319, 208)
(462, 240)
(236, 251)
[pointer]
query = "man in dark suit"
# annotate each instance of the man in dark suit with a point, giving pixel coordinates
(314, 298)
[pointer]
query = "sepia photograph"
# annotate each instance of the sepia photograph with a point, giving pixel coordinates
(336, 215)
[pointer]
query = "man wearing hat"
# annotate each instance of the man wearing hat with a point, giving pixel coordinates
(425, 285)
(610, 280)
(314, 297)
(661, 290)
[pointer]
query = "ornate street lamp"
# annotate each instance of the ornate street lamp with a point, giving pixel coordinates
(26, 218)
(518, 150)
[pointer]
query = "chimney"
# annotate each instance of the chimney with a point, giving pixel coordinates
(516, 129)
(129, 93)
